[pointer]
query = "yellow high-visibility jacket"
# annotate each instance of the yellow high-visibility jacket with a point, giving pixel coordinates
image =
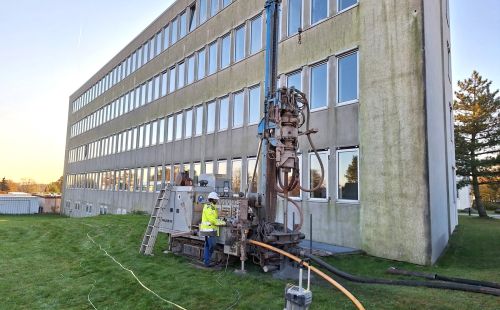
(209, 219)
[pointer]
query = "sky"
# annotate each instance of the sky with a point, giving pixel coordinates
(50, 48)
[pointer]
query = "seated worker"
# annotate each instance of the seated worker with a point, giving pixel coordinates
(209, 226)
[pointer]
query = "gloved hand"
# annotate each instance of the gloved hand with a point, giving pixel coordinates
(220, 222)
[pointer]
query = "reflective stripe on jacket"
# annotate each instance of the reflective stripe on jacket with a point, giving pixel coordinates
(209, 218)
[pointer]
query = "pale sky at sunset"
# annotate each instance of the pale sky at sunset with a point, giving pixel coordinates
(49, 48)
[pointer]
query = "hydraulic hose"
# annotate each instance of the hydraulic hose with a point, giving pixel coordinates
(429, 284)
(296, 205)
(435, 276)
(354, 300)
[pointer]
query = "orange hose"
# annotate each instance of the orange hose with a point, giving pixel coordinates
(354, 300)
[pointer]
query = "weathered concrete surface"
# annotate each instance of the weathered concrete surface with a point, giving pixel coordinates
(394, 193)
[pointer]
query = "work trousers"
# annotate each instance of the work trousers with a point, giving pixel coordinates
(209, 249)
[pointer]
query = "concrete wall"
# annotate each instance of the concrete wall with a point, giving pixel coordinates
(394, 193)
(438, 92)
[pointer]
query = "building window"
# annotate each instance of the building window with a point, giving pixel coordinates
(252, 188)
(198, 125)
(196, 172)
(225, 52)
(150, 91)
(166, 36)
(141, 137)
(201, 64)
(192, 18)
(190, 71)
(210, 117)
(222, 167)
(161, 132)
(145, 179)
(178, 126)
(134, 138)
(209, 167)
(143, 94)
(151, 179)
(294, 80)
(226, 3)
(182, 75)
(212, 61)
(152, 48)
(154, 132)
(347, 77)
(174, 31)
(189, 124)
(177, 170)
(156, 87)
(345, 4)
(256, 35)
(147, 135)
(319, 10)
(347, 174)
(294, 16)
(168, 176)
(182, 25)
(239, 44)
(223, 113)
(203, 11)
(164, 84)
(238, 109)
(159, 178)
(214, 7)
(315, 175)
(170, 129)
(236, 175)
(171, 88)
(254, 105)
(319, 86)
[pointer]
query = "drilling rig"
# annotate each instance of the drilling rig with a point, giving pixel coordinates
(248, 216)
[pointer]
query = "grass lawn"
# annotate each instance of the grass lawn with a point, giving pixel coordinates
(47, 262)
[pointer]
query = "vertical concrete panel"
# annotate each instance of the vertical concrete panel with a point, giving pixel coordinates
(394, 204)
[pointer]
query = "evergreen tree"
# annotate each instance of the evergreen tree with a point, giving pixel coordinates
(477, 135)
(4, 186)
(352, 171)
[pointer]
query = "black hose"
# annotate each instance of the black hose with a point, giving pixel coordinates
(429, 284)
(435, 276)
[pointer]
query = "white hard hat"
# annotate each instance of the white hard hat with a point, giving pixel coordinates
(213, 195)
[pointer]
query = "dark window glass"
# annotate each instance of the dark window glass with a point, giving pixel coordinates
(347, 175)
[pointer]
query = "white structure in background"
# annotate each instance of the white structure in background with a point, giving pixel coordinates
(18, 203)
(463, 200)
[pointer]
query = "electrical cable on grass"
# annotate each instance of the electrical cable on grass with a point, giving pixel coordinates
(88, 296)
(238, 294)
(133, 274)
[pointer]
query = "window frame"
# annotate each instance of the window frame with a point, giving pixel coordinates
(337, 152)
(318, 64)
(337, 60)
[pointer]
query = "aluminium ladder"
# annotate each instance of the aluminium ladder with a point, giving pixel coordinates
(148, 242)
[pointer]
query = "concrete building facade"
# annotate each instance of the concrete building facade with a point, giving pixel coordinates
(187, 94)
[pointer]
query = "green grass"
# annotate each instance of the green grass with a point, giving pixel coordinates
(47, 262)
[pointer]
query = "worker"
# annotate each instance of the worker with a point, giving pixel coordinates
(209, 226)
